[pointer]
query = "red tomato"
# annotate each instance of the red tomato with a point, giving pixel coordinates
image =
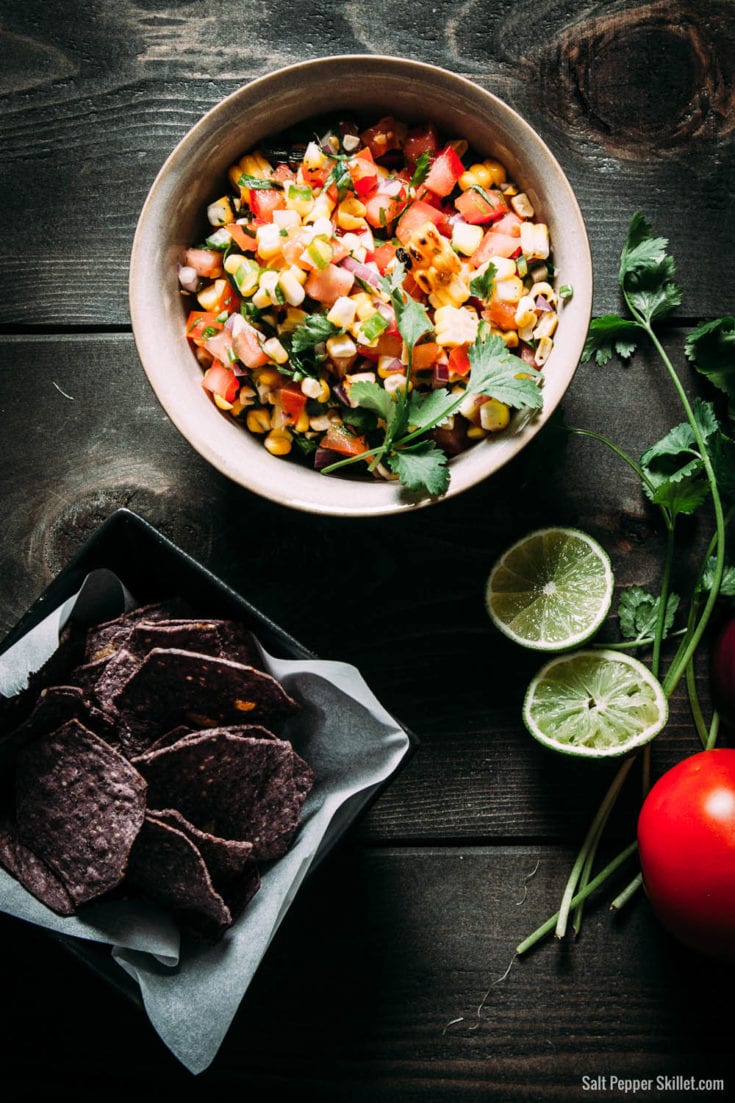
(245, 241)
(445, 171)
(382, 137)
(686, 838)
(500, 313)
(420, 139)
(202, 324)
(459, 361)
(383, 209)
(476, 209)
(222, 381)
(328, 284)
(339, 439)
(363, 173)
(495, 244)
(264, 201)
(416, 216)
(383, 256)
(205, 262)
(293, 401)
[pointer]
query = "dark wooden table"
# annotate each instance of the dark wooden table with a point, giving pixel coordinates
(384, 982)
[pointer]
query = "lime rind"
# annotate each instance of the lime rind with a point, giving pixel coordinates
(552, 590)
(595, 704)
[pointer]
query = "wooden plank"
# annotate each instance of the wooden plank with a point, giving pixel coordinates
(402, 598)
(636, 103)
(384, 983)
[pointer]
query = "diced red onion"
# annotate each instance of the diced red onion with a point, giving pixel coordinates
(236, 324)
(340, 394)
(391, 187)
(395, 365)
(188, 277)
(324, 456)
(368, 273)
(542, 303)
(441, 372)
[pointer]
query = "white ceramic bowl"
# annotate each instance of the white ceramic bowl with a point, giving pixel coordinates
(195, 174)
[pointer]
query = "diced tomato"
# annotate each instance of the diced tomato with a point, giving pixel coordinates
(388, 344)
(328, 284)
(283, 174)
(363, 173)
(445, 171)
(292, 400)
(222, 381)
(495, 244)
(382, 137)
(264, 201)
(199, 322)
(500, 313)
(459, 361)
(418, 140)
(426, 355)
(383, 209)
(509, 224)
(226, 301)
(475, 208)
(339, 439)
(243, 240)
(412, 288)
(316, 177)
(383, 255)
(205, 262)
(246, 347)
(220, 346)
(415, 217)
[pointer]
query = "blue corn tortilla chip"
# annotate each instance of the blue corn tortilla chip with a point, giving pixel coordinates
(79, 805)
(33, 873)
(226, 859)
(233, 786)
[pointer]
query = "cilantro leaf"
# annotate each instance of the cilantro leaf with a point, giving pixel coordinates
(647, 273)
(427, 409)
(340, 177)
(682, 490)
(674, 467)
(727, 583)
(421, 169)
(421, 468)
(374, 397)
(315, 329)
(609, 335)
(411, 318)
(638, 613)
(482, 285)
(392, 282)
(496, 372)
(257, 183)
(711, 347)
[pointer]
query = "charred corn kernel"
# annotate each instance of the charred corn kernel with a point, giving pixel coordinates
(509, 190)
(313, 158)
(221, 402)
(526, 333)
(321, 423)
(453, 294)
(299, 198)
(286, 220)
(292, 319)
(244, 271)
(210, 295)
(389, 365)
(496, 172)
(356, 246)
(351, 213)
(481, 174)
(539, 273)
(245, 398)
(470, 408)
(509, 337)
(364, 306)
(475, 432)
(546, 325)
(278, 442)
(268, 377)
(258, 420)
(522, 205)
(525, 314)
(543, 351)
(509, 290)
(269, 241)
(317, 389)
(275, 350)
(455, 326)
(220, 212)
(504, 267)
(302, 422)
(545, 289)
(466, 238)
(291, 284)
(341, 347)
(494, 415)
(322, 209)
(396, 382)
(535, 240)
(468, 180)
(342, 313)
(358, 377)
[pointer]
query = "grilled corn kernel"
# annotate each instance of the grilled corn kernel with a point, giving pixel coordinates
(269, 240)
(244, 271)
(210, 295)
(351, 213)
(494, 415)
(291, 284)
(322, 209)
(535, 240)
(481, 174)
(475, 432)
(292, 320)
(396, 382)
(302, 422)
(317, 389)
(504, 267)
(278, 442)
(389, 365)
(258, 420)
(275, 350)
(221, 402)
(341, 347)
(466, 238)
(509, 337)
(286, 220)
(468, 180)
(545, 289)
(522, 205)
(455, 326)
(526, 333)
(342, 313)
(546, 326)
(543, 351)
(525, 314)
(509, 290)
(364, 306)
(496, 171)
(268, 377)
(220, 212)
(321, 423)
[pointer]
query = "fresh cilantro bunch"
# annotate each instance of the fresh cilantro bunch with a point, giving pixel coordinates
(409, 415)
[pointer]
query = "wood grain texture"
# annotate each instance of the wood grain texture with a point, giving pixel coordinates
(636, 103)
(384, 984)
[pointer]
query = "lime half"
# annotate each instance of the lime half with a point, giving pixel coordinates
(596, 704)
(552, 590)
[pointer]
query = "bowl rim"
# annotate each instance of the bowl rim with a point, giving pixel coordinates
(290, 484)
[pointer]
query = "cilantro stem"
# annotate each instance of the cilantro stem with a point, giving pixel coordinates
(589, 846)
(624, 456)
(595, 883)
(352, 459)
(714, 731)
(641, 641)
